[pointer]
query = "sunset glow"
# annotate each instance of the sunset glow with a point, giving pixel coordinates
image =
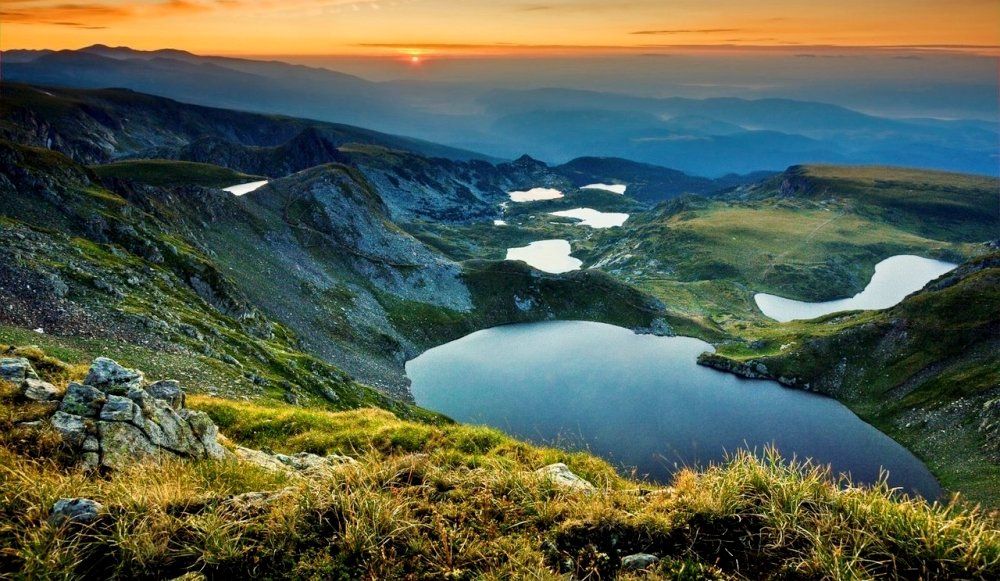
(482, 27)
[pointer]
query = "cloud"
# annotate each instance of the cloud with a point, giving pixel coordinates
(78, 25)
(688, 31)
(93, 15)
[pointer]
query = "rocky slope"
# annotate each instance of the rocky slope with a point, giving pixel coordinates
(313, 260)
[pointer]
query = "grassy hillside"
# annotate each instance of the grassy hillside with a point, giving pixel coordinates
(940, 205)
(813, 233)
(926, 372)
(454, 502)
(163, 173)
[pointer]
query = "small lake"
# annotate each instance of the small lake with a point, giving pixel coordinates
(894, 279)
(546, 255)
(593, 218)
(642, 401)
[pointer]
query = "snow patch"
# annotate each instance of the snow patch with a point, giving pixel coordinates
(243, 189)
(535, 195)
(613, 188)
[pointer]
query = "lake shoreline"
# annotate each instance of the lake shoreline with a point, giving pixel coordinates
(510, 394)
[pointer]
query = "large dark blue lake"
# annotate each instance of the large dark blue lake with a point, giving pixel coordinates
(643, 403)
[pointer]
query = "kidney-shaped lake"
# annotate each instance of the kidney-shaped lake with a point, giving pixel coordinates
(642, 401)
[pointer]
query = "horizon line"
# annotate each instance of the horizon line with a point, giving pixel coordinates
(514, 50)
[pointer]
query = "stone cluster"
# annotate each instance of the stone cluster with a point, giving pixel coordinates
(114, 418)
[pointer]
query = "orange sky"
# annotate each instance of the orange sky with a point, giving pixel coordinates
(461, 27)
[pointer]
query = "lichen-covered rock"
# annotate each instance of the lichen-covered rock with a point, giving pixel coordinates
(206, 431)
(110, 377)
(260, 458)
(121, 409)
(560, 475)
(71, 427)
(41, 391)
(123, 444)
(312, 465)
(168, 390)
(16, 370)
(83, 400)
(77, 510)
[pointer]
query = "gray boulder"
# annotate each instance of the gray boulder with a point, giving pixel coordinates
(639, 561)
(72, 428)
(168, 390)
(41, 391)
(83, 400)
(16, 370)
(110, 377)
(560, 475)
(112, 422)
(77, 510)
(123, 444)
(121, 409)
(206, 431)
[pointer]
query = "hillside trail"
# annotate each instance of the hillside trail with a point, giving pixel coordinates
(805, 241)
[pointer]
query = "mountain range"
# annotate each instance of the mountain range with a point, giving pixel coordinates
(709, 137)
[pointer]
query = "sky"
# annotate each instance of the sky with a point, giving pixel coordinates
(438, 28)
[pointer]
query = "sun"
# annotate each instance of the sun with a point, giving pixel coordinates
(415, 60)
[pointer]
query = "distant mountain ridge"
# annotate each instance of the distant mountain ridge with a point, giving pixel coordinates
(709, 137)
(415, 176)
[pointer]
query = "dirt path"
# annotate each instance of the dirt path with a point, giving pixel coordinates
(805, 241)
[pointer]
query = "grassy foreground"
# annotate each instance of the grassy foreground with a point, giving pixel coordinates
(434, 502)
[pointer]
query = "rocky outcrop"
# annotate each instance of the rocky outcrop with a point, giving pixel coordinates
(658, 327)
(989, 426)
(111, 421)
(110, 377)
(750, 369)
